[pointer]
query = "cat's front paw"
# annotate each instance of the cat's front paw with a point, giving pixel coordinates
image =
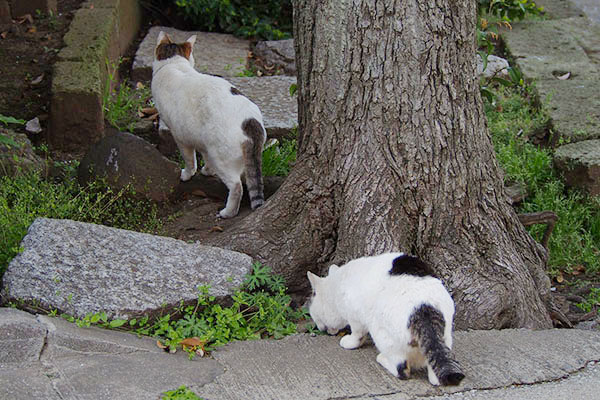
(226, 214)
(186, 175)
(350, 342)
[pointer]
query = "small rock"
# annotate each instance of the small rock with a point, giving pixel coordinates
(17, 155)
(33, 126)
(279, 53)
(125, 159)
(496, 66)
(580, 164)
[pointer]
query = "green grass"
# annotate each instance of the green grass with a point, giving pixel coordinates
(28, 196)
(278, 159)
(576, 237)
(261, 308)
(181, 393)
(122, 104)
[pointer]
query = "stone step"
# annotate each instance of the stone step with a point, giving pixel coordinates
(272, 95)
(548, 50)
(79, 268)
(215, 53)
(580, 164)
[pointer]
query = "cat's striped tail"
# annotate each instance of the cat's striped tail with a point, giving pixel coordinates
(253, 160)
(426, 325)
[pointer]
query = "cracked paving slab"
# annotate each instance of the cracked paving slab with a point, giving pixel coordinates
(49, 358)
(305, 367)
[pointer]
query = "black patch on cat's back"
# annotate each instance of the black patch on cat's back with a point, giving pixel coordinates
(167, 50)
(236, 92)
(409, 265)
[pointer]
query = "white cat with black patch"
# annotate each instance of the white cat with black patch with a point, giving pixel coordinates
(206, 113)
(393, 297)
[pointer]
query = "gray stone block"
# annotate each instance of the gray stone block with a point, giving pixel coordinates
(214, 53)
(272, 95)
(22, 337)
(574, 107)
(580, 164)
(78, 268)
(546, 49)
(278, 53)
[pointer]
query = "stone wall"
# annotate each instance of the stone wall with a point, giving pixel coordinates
(100, 33)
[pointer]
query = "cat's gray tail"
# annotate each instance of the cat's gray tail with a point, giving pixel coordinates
(253, 159)
(426, 325)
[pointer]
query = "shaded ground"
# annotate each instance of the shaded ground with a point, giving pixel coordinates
(28, 49)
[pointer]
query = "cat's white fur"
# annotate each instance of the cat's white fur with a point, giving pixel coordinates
(364, 295)
(204, 115)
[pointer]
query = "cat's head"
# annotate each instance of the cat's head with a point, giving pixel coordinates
(322, 306)
(166, 48)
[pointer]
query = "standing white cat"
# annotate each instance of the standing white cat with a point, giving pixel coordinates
(407, 312)
(207, 114)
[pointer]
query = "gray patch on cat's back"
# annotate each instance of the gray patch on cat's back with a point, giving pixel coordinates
(409, 265)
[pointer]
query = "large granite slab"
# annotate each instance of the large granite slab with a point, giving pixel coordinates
(79, 268)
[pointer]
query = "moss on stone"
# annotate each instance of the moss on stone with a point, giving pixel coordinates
(89, 36)
(77, 76)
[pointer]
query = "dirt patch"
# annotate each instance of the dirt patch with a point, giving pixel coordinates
(28, 49)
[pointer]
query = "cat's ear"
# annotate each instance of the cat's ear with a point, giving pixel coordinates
(191, 40)
(314, 279)
(333, 268)
(163, 38)
(188, 46)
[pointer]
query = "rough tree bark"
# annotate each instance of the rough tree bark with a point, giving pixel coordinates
(395, 154)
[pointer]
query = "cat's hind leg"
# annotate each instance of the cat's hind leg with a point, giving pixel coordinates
(189, 157)
(233, 198)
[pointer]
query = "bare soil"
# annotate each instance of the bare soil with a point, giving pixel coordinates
(28, 50)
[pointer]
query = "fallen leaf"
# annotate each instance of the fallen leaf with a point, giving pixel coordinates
(216, 228)
(564, 77)
(200, 352)
(4, 34)
(160, 345)
(37, 80)
(139, 85)
(192, 342)
(560, 278)
(32, 29)
(141, 114)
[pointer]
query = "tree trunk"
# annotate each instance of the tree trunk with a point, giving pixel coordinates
(395, 154)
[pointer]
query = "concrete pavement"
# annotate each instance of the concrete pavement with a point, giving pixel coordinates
(48, 358)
